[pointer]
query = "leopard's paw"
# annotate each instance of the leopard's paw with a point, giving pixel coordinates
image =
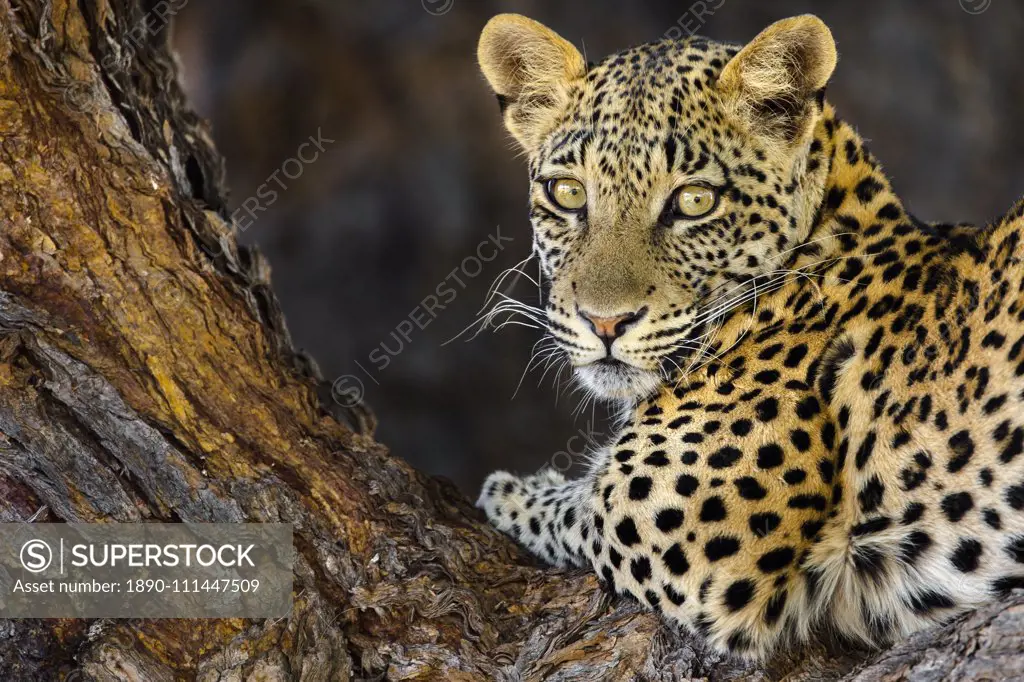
(539, 511)
(503, 499)
(507, 498)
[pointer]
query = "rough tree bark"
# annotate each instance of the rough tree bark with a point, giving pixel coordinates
(146, 374)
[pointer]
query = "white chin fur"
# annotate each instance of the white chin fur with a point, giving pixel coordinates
(618, 382)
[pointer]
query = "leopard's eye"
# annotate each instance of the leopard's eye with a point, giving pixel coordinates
(567, 193)
(693, 201)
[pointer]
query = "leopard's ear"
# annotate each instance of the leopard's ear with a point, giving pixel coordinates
(529, 67)
(776, 82)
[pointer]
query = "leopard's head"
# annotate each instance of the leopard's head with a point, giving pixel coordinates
(662, 179)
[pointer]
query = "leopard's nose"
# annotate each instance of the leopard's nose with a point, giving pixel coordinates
(611, 328)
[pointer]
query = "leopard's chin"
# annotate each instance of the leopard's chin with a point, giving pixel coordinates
(618, 381)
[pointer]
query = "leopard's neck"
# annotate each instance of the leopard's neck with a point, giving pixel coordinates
(855, 205)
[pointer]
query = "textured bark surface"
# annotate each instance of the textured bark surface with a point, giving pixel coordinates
(146, 374)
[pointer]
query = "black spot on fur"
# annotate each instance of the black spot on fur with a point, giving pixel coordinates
(739, 594)
(741, 427)
(808, 407)
(962, 446)
(1015, 548)
(809, 529)
(1002, 587)
(675, 561)
(776, 560)
(725, 457)
(721, 547)
(929, 600)
(769, 456)
(773, 609)
(749, 488)
(868, 560)
(767, 409)
(712, 510)
(875, 525)
(763, 524)
(667, 520)
(738, 641)
(912, 513)
(640, 488)
(966, 556)
(686, 485)
(867, 188)
(1015, 496)
(912, 546)
(676, 598)
(808, 502)
(794, 476)
(956, 505)
(866, 449)
(870, 496)
(640, 567)
(840, 353)
(626, 532)
(1014, 447)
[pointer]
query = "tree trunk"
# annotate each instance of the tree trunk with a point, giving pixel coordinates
(146, 374)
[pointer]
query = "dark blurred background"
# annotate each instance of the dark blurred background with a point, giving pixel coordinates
(420, 173)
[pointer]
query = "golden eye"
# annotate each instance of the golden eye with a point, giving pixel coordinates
(567, 193)
(693, 201)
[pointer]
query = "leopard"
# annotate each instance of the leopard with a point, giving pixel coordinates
(819, 397)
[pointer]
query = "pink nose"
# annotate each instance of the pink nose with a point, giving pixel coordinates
(610, 328)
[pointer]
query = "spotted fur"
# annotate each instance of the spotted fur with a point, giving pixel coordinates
(822, 395)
